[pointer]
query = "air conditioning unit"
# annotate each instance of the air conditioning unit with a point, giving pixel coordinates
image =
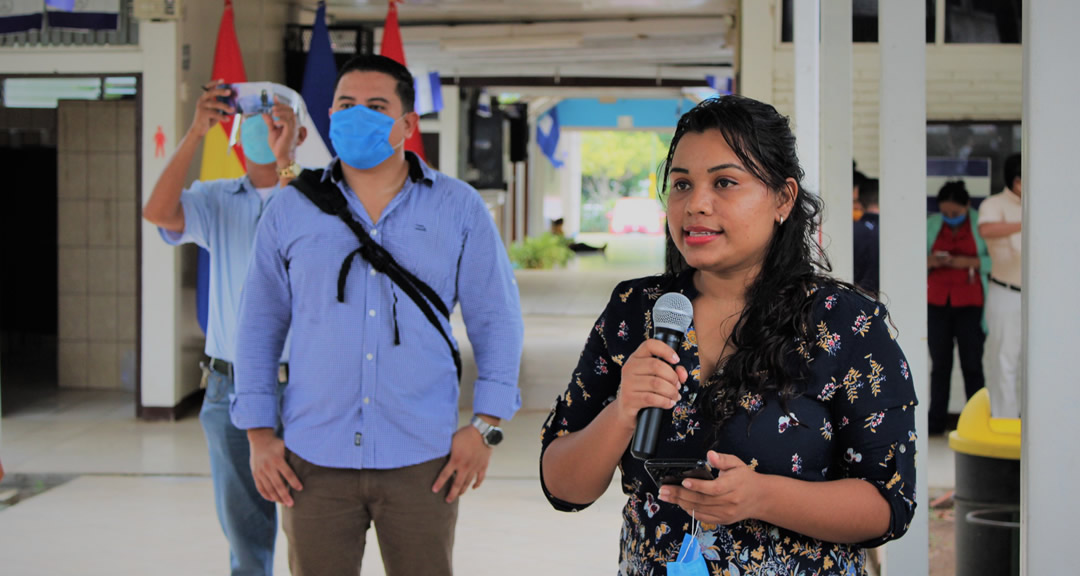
(156, 9)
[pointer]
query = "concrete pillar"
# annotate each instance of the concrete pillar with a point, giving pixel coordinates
(902, 38)
(808, 91)
(757, 38)
(1048, 463)
(836, 134)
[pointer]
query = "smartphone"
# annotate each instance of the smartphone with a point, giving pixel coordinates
(667, 471)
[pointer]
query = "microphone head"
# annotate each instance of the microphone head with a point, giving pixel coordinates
(673, 311)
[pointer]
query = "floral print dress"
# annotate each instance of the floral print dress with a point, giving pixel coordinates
(854, 419)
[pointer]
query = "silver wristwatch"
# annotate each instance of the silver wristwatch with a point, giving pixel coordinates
(492, 435)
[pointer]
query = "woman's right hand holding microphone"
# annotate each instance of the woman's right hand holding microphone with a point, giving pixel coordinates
(649, 380)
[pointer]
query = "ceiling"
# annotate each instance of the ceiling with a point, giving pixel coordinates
(661, 39)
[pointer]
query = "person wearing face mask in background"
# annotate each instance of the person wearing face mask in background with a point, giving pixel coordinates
(371, 410)
(958, 266)
(221, 216)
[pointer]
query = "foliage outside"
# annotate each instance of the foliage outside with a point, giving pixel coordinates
(616, 165)
(544, 252)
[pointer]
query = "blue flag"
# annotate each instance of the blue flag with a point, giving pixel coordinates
(547, 135)
(202, 289)
(318, 88)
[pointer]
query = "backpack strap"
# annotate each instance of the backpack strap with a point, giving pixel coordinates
(326, 196)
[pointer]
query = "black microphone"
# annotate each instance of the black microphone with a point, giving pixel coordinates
(672, 315)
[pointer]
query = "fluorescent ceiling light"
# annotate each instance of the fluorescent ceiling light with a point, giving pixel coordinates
(512, 43)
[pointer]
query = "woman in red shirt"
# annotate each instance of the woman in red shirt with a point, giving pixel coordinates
(958, 265)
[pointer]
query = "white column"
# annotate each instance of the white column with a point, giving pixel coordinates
(757, 42)
(1049, 505)
(836, 134)
(808, 91)
(902, 37)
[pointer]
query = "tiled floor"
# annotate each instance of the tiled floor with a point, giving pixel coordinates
(142, 503)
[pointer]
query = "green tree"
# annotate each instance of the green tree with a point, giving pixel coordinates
(613, 164)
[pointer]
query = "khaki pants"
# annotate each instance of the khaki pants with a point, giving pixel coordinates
(327, 525)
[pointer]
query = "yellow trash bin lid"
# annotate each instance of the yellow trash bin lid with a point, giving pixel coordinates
(978, 434)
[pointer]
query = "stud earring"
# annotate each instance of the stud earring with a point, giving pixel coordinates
(781, 220)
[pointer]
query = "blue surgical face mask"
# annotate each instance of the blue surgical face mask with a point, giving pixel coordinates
(361, 136)
(955, 220)
(255, 137)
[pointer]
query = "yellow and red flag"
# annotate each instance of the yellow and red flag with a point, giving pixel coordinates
(218, 161)
(393, 48)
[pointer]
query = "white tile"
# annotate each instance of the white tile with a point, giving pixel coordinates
(101, 179)
(73, 317)
(127, 220)
(71, 175)
(72, 222)
(126, 317)
(72, 272)
(101, 223)
(102, 319)
(125, 127)
(101, 123)
(101, 366)
(72, 126)
(102, 271)
(126, 270)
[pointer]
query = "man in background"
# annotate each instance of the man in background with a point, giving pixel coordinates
(866, 238)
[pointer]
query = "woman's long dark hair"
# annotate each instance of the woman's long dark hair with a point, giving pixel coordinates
(779, 303)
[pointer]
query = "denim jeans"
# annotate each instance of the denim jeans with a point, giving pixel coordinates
(248, 520)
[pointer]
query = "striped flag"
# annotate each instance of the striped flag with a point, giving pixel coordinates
(393, 48)
(20, 16)
(318, 90)
(83, 14)
(428, 88)
(217, 162)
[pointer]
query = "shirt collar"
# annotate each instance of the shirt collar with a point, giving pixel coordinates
(1011, 195)
(418, 170)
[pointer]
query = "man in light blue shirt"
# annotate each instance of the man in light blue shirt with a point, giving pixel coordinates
(221, 216)
(371, 410)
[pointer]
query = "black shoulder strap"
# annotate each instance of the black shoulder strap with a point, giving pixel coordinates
(327, 197)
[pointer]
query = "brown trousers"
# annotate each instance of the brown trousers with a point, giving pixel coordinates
(327, 525)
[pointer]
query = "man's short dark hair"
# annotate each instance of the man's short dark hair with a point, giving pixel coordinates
(954, 191)
(392, 68)
(868, 192)
(1012, 170)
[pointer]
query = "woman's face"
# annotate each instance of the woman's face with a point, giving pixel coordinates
(721, 217)
(950, 209)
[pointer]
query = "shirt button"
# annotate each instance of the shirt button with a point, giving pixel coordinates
(367, 400)
(358, 439)
(371, 313)
(372, 271)
(374, 232)
(370, 356)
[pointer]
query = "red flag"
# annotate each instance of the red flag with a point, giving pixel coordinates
(393, 48)
(228, 66)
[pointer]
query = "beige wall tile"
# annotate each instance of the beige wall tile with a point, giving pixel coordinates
(101, 122)
(72, 126)
(72, 271)
(102, 271)
(71, 179)
(73, 364)
(127, 220)
(101, 167)
(126, 271)
(73, 317)
(101, 223)
(125, 127)
(102, 318)
(125, 177)
(102, 366)
(127, 317)
(72, 223)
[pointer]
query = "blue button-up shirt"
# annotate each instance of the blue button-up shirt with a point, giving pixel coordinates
(356, 399)
(222, 216)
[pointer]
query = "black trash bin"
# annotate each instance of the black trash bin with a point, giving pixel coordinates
(987, 493)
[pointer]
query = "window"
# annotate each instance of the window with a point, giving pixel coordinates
(983, 21)
(45, 92)
(968, 141)
(864, 21)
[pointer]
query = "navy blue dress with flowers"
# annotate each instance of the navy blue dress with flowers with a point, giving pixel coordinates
(854, 419)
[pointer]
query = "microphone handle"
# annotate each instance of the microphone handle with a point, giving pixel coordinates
(649, 420)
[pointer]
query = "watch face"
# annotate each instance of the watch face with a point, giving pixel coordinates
(494, 436)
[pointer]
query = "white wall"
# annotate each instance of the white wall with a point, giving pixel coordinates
(963, 82)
